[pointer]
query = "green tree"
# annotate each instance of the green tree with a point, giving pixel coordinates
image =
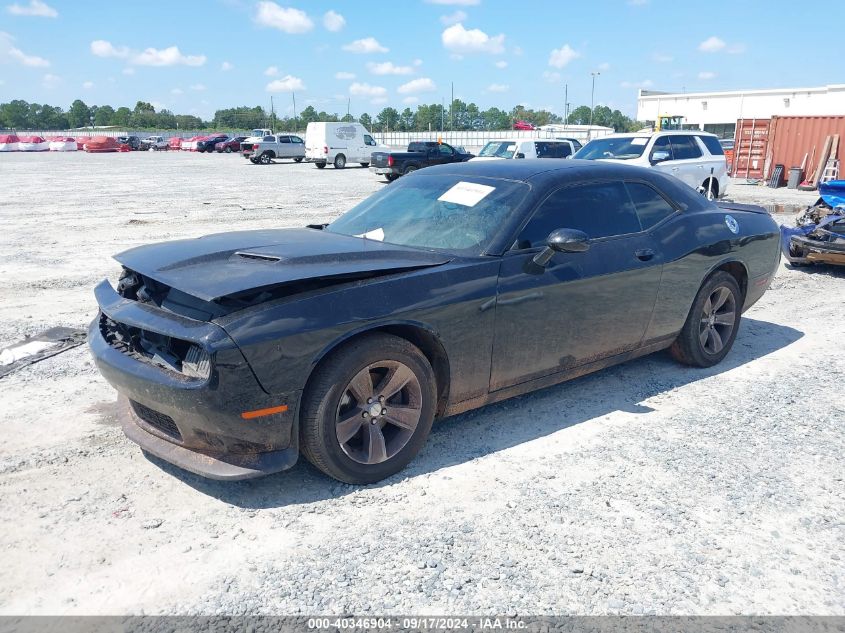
(387, 119)
(579, 116)
(366, 121)
(14, 114)
(79, 114)
(407, 120)
(104, 115)
(121, 116)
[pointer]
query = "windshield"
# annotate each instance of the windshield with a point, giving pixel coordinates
(499, 149)
(448, 212)
(617, 147)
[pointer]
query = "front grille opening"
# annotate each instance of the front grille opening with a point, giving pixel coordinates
(160, 421)
(184, 358)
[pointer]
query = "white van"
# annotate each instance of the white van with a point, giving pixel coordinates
(339, 143)
(527, 148)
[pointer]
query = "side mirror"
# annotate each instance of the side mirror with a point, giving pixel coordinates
(520, 155)
(562, 241)
(659, 156)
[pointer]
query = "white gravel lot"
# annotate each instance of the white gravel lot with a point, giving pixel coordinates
(645, 488)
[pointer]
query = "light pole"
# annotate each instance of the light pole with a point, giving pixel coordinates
(592, 101)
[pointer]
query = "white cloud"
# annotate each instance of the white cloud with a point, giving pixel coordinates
(498, 88)
(51, 81)
(88, 85)
(453, 18)
(226, 66)
(604, 66)
(170, 56)
(103, 48)
(35, 8)
(344, 76)
(288, 83)
(560, 57)
(460, 40)
(501, 64)
(647, 83)
(28, 60)
(389, 68)
(461, 3)
(176, 91)
(410, 100)
(706, 74)
(712, 44)
(423, 84)
(366, 90)
(285, 19)
(333, 22)
(128, 71)
(418, 62)
(662, 58)
(198, 87)
(271, 71)
(517, 50)
(366, 45)
(551, 77)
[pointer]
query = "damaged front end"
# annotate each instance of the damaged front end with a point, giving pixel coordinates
(819, 234)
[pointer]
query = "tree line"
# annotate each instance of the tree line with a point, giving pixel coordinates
(21, 115)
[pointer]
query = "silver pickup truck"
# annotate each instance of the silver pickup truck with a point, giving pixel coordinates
(274, 146)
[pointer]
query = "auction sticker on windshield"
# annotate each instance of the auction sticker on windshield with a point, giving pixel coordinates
(467, 194)
(639, 141)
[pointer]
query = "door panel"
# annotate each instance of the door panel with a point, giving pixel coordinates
(583, 306)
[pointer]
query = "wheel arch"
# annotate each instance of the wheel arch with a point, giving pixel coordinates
(425, 338)
(737, 270)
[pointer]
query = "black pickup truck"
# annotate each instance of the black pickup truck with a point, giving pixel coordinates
(420, 154)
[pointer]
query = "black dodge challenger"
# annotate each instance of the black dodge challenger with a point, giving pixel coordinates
(455, 287)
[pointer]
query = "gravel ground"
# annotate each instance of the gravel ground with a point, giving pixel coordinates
(645, 488)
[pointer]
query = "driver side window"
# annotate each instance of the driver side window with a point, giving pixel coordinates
(368, 140)
(445, 150)
(599, 210)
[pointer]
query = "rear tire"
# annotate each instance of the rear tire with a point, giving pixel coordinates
(298, 159)
(339, 161)
(339, 435)
(712, 323)
(320, 165)
(409, 170)
(391, 177)
(228, 150)
(365, 164)
(254, 161)
(266, 158)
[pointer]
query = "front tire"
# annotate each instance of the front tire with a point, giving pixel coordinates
(228, 150)
(368, 409)
(409, 170)
(365, 164)
(298, 159)
(712, 324)
(339, 161)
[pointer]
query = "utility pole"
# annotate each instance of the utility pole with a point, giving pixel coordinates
(592, 102)
(272, 115)
(348, 105)
(451, 109)
(565, 105)
(442, 114)
(295, 124)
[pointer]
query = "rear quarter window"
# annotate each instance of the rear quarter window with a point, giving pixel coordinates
(712, 144)
(650, 205)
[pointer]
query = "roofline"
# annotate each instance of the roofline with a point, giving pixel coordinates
(657, 94)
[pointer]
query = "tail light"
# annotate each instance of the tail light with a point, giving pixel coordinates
(325, 149)
(389, 161)
(255, 147)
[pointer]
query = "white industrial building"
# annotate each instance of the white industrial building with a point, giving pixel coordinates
(718, 112)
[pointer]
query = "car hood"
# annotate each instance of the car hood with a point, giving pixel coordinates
(226, 264)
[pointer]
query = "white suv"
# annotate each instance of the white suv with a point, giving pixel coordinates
(518, 148)
(695, 157)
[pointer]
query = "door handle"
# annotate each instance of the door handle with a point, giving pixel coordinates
(675, 168)
(644, 254)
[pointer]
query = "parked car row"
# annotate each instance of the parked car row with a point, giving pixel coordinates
(15, 143)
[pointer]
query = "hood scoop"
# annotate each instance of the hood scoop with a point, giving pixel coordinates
(259, 256)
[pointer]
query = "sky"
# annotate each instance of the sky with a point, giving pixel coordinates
(197, 56)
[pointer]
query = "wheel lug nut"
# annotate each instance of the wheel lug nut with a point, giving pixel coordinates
(374, 421)
(365, 414)
(369, 400)
(384, 411)
(381, 398)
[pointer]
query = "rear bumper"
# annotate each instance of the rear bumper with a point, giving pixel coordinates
(196, 424)
(382, 171)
